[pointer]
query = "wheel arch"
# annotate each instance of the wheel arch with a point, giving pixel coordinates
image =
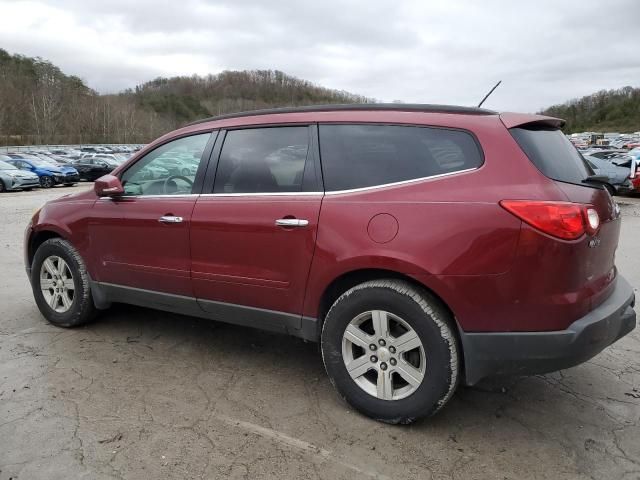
(38, 237)
(350, 279)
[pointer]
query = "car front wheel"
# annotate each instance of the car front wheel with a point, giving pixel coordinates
(46, 182)
(60, 284)
(390, 350)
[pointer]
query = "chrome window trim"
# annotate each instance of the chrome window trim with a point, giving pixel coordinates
(300, 194)
(265, 194)
(403, 182)
(126, 197)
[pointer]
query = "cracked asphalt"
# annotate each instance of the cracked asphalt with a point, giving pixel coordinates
(142, 394)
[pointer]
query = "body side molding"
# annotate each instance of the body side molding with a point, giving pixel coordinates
(287, 323)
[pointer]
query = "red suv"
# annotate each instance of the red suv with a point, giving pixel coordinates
(421, 246)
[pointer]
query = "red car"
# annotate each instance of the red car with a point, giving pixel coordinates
(421, 246)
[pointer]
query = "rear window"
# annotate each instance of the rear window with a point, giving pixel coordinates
(553, 154)
(357, 156)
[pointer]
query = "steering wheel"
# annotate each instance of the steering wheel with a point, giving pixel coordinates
(165, 185)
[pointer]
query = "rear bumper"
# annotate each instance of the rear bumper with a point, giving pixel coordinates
(624, 188)
(526, 353)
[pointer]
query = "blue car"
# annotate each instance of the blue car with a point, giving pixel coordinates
(49, 173)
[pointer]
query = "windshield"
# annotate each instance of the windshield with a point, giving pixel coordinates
(6, 166)
(41, 163)
(553, 154)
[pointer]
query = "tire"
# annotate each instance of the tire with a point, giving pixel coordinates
(46, 182)
(81, 309)
(2, 187)
(407, 309)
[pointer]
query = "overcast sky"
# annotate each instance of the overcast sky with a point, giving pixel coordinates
(426, 51)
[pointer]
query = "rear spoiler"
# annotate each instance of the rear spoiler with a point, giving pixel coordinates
(512, 120)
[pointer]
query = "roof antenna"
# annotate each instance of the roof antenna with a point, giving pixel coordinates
(490, 92)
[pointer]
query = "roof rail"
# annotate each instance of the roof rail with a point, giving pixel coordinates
(400, 107)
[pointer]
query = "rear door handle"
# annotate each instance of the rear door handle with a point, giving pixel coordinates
(170, 219)
(292, 222)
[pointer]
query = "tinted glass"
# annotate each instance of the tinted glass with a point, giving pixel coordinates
(355, 156)
(553, 154)
(262, 160)
(168, 170)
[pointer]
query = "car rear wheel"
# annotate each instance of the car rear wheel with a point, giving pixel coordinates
(390, 351)
(60, 284)
(46, 182)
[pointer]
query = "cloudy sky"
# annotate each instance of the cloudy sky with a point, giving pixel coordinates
(544, 51)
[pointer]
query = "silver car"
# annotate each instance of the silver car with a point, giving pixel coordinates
(12, 178)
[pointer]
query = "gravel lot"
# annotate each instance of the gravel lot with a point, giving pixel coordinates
(150, 395)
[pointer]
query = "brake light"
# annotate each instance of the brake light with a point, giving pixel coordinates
(564, 220)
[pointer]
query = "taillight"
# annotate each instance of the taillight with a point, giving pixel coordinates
(564, 220)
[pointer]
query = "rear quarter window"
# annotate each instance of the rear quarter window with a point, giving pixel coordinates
(552, 153)
(358, 156)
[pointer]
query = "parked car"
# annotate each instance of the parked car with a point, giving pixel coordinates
(92, 168)
(51, 158)
(49, 174)
(12, 178)
(619, 177)
(421, 246)
(605, 154)
(635, 153)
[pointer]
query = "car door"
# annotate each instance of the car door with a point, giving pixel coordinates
(253, 235)
(84, 167)
(142, 237)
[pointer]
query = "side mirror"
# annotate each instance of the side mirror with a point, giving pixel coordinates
(108, 186)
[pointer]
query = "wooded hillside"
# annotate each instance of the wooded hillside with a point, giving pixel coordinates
(40, 104)
(604, 111)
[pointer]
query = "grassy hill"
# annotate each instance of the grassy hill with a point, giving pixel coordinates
(41, 104)
(606, 110)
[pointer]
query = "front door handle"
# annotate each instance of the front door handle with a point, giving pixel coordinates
(292, 222)
(170, 219)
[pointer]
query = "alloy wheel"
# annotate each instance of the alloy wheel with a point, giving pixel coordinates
(383, 355)
(57, 284)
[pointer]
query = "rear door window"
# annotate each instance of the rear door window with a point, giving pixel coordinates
(263, 160)
(358, 156)
(553, 154)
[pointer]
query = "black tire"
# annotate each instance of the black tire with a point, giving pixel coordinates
(82, 309)
(46, 182)
(433, 325)
(2, 187)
